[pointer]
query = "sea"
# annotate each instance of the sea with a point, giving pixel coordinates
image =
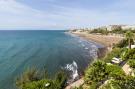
(53, 49)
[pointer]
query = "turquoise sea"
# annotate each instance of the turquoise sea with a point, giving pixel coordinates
(55, 50)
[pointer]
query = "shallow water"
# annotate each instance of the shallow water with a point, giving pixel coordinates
(53, 49)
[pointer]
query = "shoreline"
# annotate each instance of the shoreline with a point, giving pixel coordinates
(107, 47)
(102, 51)
(106, 40)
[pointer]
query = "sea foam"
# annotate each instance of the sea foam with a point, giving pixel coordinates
(73, 68)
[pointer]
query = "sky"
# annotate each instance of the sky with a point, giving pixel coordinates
(64, 14)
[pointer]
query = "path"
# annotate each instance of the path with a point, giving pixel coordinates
(126, 69)
(75, 84)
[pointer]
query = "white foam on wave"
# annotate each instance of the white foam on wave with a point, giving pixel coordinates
(91, 48)
(86, 48)
(93, 51)
(74, 69)
(83, 45)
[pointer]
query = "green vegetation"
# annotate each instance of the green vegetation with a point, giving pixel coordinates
(115, 71)
(117, 30)
(99, 72)
(130, 36)
(104, 31)
(41, 84)
(127, 82)
(78, 87)
(131, 63)
(33, 79)
(100, 30)
(130, 54)
(122, 43)
(96, 72)
(116, 52)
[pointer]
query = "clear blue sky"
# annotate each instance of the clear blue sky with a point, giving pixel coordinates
(63, 14)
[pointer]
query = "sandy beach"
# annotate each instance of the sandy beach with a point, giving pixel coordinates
(106, 40)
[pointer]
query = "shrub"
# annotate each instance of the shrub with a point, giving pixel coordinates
(115, 71)
(124, 83)
(33, 79)
(99, 72)
(117, 29)
(41, 84)
(116, 52)
(96, 72)
(130, 54)
(29, 75)
(100, 30)
(122, 43)
(60, 79)
(78, 87)
(131, 63)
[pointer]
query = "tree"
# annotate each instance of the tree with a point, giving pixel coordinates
(96, 72)
(129, 36)
(117, 29)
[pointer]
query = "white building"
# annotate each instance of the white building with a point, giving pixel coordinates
(132, 27)
(124, 27)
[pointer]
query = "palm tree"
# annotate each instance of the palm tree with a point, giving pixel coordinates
(129, 36)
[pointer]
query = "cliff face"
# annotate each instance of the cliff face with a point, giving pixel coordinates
(102, 52)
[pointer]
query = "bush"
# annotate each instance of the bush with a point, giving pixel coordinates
(131, 63)
(123, 43)
(33, 79)
(124, 83)
(116, 52)
(60, 79)
(78, 87)
(117, 30)
(100, 30)
(99, 72)
(115, 71)
(130, 54)
(42, 84)
(96, 72)
(29, 75)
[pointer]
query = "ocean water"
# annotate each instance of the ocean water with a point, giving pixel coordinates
(54, 50)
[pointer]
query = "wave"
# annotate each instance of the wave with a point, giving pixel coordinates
(86, 48)
(90, 47)
(83, 45)
(93, 51)
(73, 68)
